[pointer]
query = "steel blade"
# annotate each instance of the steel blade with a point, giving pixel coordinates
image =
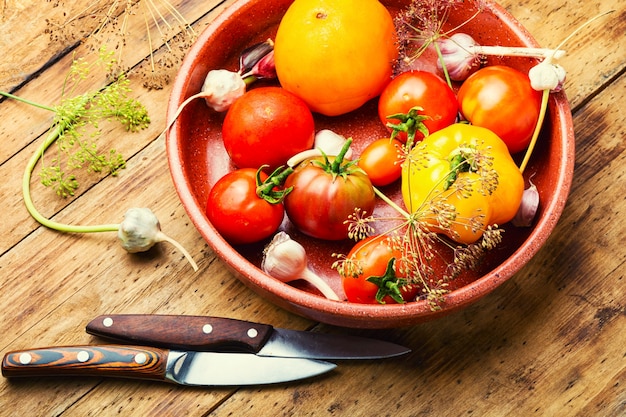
(233, 369)
(296, 344)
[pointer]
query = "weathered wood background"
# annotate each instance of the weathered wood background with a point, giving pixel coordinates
(549, 342)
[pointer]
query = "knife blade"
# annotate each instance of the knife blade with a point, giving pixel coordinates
(202, 333)
(181, 367)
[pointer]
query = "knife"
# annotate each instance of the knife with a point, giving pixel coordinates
(202, 333)
(137, 362)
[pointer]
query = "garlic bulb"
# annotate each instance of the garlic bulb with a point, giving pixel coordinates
(221, 88)
(285, 259)
(456, 52)
(140, 230)
(547, 76)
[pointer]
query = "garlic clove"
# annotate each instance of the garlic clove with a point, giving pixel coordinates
(331, 143)
(285, 260)
(326, 141)
(528, 207)
(251, 56)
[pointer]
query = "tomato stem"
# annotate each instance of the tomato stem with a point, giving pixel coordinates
(388, 284)
(410, 123)
(336, 165)
(270, 189)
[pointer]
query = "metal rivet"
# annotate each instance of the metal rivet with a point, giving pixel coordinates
(252, 333)
(83, 356)
(25, 358)
(107, 322)
(207, 328)
(141, 358)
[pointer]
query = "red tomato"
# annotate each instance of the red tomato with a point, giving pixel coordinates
(267, 126)
(369, 261)
(238, 213)
(382, 161)
(422, 89)
(321, 201)
(501, 99)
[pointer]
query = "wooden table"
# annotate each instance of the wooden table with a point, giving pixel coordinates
(549, 342)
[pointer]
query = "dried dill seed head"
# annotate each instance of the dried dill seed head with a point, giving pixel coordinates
(359, 225)
(422, 23)
(109, 24)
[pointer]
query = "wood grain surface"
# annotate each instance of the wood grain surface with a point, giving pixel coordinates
(549, 342)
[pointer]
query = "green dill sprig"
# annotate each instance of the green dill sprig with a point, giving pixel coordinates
(75, 128)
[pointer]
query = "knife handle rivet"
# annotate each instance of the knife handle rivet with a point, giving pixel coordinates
(82, 356)
(107, 322)
(252, 333)
(141, 358)
(207, 328)
(25, 358)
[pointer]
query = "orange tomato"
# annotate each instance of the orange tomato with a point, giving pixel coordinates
(335, 54)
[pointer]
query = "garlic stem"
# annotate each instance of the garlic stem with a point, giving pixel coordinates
(318, 283)
(162, 237)
(326, 142)
(301, 156)
(516, 51)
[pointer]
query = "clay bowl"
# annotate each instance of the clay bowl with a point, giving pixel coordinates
(197, 160)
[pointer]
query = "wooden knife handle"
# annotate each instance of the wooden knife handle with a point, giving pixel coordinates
(198, 333)
(107, 360)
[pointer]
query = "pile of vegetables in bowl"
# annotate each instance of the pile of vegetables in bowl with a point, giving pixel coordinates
(378, 159)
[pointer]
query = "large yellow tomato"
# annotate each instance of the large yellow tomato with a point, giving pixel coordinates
(335, 54)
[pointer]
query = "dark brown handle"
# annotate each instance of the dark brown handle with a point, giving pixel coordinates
(182, 332)
(109, 360)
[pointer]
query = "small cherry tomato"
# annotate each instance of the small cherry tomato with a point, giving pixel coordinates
(372, 273)
(325, 192)
(421, 89)
(501, 99)
(267, 126)
(382, 161)
(238, 213)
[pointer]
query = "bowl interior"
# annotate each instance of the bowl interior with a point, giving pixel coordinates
(197, 160)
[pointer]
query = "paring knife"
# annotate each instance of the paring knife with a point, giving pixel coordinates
(202, 333)
(137, 362)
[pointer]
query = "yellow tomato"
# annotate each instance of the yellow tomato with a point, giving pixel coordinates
(460, 180)
(335, 54)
